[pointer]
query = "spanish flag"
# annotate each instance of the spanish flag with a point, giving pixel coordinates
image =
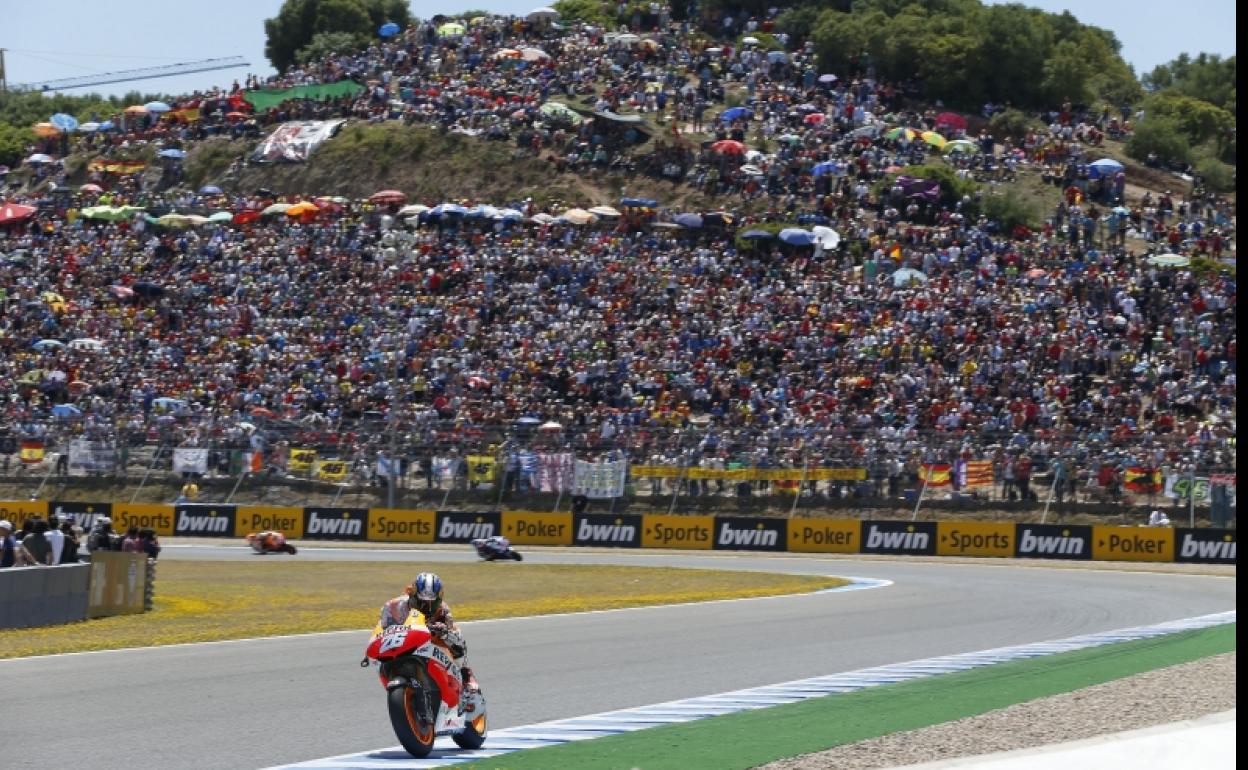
(936, 474)
(481, 468)
(1142, 480)
(330, 470)
(32, 451)
(301, 459)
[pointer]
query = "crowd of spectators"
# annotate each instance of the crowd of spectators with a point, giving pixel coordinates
(675, 345)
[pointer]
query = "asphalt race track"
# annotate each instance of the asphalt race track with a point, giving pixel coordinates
(257, 703)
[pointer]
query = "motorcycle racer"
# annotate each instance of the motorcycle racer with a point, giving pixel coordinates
(424, 595)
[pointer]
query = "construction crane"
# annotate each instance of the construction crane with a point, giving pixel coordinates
(122, 76)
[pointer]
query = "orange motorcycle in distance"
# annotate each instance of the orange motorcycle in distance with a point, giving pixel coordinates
(270, 542)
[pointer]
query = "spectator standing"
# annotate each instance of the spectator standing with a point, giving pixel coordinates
(102, 537)
(37, 549)
(148, 543)
(69, 554)
(131, 543)
(56, 539)
(8, 545)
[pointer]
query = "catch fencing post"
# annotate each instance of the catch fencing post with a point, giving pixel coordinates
(802, 483)
(150, 466)
(1191, 495)
(1047, 503)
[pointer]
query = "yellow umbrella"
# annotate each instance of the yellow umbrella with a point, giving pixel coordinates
(136, 109)
(46, 130)
(301, 208)
(578, 216)
(934, 139)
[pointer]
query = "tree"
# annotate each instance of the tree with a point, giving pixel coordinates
(14, 143)
(1207, 77)
(324, 45)
(1160, 136)
(299, 21)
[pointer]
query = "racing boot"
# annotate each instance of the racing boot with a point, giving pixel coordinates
(470, 681)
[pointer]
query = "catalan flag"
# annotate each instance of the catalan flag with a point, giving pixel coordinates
(936, 474)
(975, 473)
(1142, 480)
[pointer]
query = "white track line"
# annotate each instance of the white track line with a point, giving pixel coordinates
(687, 710)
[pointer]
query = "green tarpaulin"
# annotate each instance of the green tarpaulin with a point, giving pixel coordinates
(264, 99)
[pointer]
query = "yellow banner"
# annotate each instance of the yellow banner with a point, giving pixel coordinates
(748, 474)
(972, 538)
(481, 468)
(824, 535)
(330, 470)
(660, 531)
(158, 517)
(116, 166)
(301, 459)
(18, 511)
(395, 525)
(1132, 543)
(527, 528)
(258, 518)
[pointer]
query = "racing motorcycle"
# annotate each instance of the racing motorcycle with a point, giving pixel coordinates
(424, 691)
(270, 542)
(491, 548)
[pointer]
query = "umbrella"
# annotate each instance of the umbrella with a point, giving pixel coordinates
(827, 77)
(91, 187)
(66, 411)
(413, 210)
(173, 219)
(222, 217)
(648, 203)
(952, 120)
(167, 403)
(259, 411)
(604, 211)
(1122, 211)
(107, 126)
(507, 53)
(301, 208)
(66, 123)
(478, 382)
(578, 216)
(1104, 167)
(542, 13)
(78, 387)
(934, 139)
(826, 236)
(796, 236)
(46, 130)
(1036, 272)
(560, 111)
(87, 344)
(735, 113)
(961, 145)
(900, 133)
(172, 153)
(235, 115)
(543, 218)
(827, 167)
(776, 57)
(814, 118)
(451, 29)
(751, 170)
(243, 217)
(757, 235)
(751, 40)
(628, 38)
(389, 29)
(533, 54)
(1169, 260)
(210, 189)
(135, 109)
(89, 127)
(722, 218)
(691, 221)
(48, 344)
(728, 147)
(14, 212)
(276, 208)
(550, 425)
(157, 107)
(908, 275)
(38, 158)
(121, 292)
(387, 196)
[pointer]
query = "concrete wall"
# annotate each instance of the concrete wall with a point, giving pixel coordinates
(43, 596)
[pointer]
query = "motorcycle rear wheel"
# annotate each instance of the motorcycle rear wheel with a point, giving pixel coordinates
(416, 736)
(472, 737)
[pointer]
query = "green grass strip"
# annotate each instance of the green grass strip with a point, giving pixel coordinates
(753, 738)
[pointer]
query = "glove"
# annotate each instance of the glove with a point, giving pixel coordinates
(438, 629)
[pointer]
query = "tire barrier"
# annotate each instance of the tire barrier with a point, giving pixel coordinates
(630, 530)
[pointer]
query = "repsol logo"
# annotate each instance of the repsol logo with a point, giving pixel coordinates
(1054, 542)
(456, 527)
(335, 523)
(1207, 546)
(749, 534)
(623, 530)
(899, 537)
(203, 522)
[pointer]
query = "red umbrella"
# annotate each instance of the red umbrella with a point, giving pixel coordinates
(14, 212)
(387, 196)
(814, 118)
(728, 147)
(235, 116)
(243, 217)
(951, 119)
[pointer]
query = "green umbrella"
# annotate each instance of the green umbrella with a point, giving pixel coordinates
(961, 145)
(560, 111)
(899, 133)
(451, 28)
(1169, 260)
(221, 216)
(173, 219)
(277, 208)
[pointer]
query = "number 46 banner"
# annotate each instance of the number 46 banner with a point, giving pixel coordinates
(1177, 486)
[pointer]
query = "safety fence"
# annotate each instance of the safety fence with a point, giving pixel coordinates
(113, 583)
(850, 536)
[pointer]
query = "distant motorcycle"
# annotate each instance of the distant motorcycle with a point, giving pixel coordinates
(493, 548)
(270, 542)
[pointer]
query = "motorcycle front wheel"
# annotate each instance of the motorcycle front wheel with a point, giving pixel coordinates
(516, 555)
(290, 549)
(416, 736)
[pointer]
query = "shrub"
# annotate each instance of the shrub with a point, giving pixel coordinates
(1009, 210)
(1012, 123)
(1159, 136)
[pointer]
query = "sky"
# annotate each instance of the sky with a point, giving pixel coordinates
(43, 43)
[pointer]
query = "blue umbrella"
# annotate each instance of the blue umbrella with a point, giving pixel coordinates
(179, 154)
(827, 77)
(775, 57)
(691, 221)
(66, 123)
(796, 236)
(210, 189)
(389, 29)
(649, 203)
(907, 275)
(48, 344)
(157, 107)
(66, 410)
(1104, 167)
(734, 113)
(165, 402)
(107, 126)
(757, 235)
(827, 168)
